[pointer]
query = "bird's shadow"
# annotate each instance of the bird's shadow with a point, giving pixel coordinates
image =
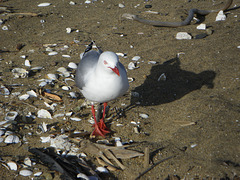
(167, 82)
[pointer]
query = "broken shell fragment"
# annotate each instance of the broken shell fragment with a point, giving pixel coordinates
(162, 77)
(4, 91)
(12, 139)
(44, 4)
(38, 174)
(23, 97)
(145, 116)
(75, 119)
(221, 16)
(102, 170)
(132, 66)
(27, 161)
(66, 88)
(136, 58)
(12, 165)
(52, 53)
(32, 93)
(19, 73)
(42, 113)
(25, 172)
(11, 116)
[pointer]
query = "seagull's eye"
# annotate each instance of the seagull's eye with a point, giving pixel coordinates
(105, 62)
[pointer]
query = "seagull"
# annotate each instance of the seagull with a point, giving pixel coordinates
(101, 78)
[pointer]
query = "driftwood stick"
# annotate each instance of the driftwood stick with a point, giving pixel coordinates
(116, 160)
(144, 172)
(146, 157)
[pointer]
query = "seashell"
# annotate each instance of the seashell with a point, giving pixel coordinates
(52, 53)
(102, 170)
(23, 97)
(8, 133)
(12, 139)
(66, 88)
(64, 71)
(45, 139)
(87, 2)
(221, 16)
(38, 173)
(75, 119)
(120, 54)
(73, 95)
(121, 5)
(42, 113)
(136, 58)
(11, 116)
(58, 115)
(3, 122)
(145, 116)
(72, 3)
(52, 76)
(66, 56)
(4, 91)
(19, 73)
(152, 62)
(1, 139)
(72, 65)
(23, 56)
(44, 4)
(27, 161)
(32, 93)
(69, 114)
(193, 145)
(183, 35)
(25, 172)
(36, 68)
(41, 84)
(12, 165)
(68, 30)
(118, 141)
(82, 176)
(27, 63)
(201, 26)
(132, 66)
(162, 77)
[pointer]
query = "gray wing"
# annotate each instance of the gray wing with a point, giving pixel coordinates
(88, 61)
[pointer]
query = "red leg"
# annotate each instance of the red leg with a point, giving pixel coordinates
(101, 122)
(99, 128)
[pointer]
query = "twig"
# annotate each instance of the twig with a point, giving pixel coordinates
(146, 157)
(144, 172)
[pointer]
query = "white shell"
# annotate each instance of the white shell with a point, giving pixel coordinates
(102, 170)
(27, 161)
(64, 71)
(38, 174)
(152, 62)
(82, 176)
(11, 139)
(44, 4)
(66, 88)
(25, 172)
(52, 76)
(36, 68)
(23, 56)
(73, 95)
(72, 3)
(88, 2)
(201, 26)
(4, 91)
(5, 28)
(183, 35)
(27, 63)
(10, 116)
(120, 54)
(2, 132)
(23, 97)
(43, 83)
(52, 53)
(68, 30)
(131, 66)
(69, 114)
(136, 58)
(72, 65)
(75, 119)
(42, 113)
(58, 115)
(32, 93)
(66, 56)
(45, 139)
(1, 139)
(145, 116)
(19, 73)
(12, 165)
(221, 16)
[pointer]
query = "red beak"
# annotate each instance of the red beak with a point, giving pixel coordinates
(115, 70)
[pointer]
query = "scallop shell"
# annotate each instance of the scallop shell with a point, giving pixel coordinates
(12, 165)
(12, 139)
(25, 172)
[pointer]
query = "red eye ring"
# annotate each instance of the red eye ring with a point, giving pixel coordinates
(105, 62)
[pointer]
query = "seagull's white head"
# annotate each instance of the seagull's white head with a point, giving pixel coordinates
(110, 61)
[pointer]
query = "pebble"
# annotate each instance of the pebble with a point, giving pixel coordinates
(209, 31)
(44, 4)
(201, 26)
(183, 35)
(221, 16)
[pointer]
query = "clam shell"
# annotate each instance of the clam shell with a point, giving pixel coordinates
(66, 88)
(52, 76)
(145, 116)
(136, 58)
(45, 139)
(42, 113)
(82, 176)
(63, 71)
(4, 91)
(23, 97)
(52, 53)
(131, 66)
(25, 172)
(72, 65)
(66, 56)
(10, 116)
(1, 139)
(12, 139)
(44, 4)
(32, 93)
(75, 119)
(12, 165)
(102, 170)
